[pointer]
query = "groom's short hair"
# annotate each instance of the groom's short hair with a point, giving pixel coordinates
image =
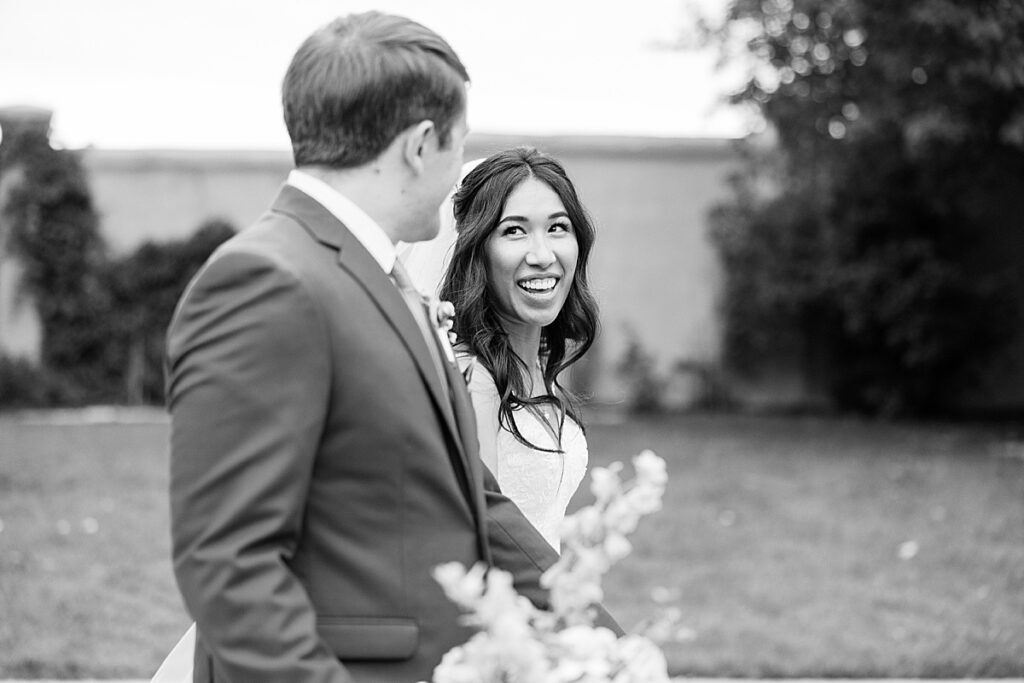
(359, 81)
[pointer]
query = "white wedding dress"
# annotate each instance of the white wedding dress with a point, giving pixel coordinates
(540, 483)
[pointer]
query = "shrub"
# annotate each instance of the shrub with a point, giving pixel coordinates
(103, 320)
(24, 385)
(144, 288)
(54, 232)
(645, 389)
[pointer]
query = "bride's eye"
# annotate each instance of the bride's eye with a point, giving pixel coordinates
(511, 230)
(560, 227)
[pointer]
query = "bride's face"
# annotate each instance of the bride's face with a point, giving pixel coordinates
(532, 255)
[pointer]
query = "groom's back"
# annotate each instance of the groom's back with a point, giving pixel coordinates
(319, 467)
(325, 445)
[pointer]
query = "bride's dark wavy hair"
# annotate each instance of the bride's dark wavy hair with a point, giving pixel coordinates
(479, 203)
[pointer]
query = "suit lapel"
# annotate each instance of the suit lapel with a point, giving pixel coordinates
(354, 258)
(466, 419)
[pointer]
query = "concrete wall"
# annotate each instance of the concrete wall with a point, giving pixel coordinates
(654, 272)
(160, 195)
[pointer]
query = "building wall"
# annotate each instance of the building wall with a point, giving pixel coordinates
(162, 195)
(653, 270)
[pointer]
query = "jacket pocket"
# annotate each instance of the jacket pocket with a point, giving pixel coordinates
(357, 638)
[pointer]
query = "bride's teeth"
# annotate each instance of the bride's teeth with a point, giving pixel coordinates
(546, 283)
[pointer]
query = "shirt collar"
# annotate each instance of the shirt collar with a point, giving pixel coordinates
(365, 229)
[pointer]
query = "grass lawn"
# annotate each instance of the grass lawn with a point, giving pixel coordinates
(793, 547)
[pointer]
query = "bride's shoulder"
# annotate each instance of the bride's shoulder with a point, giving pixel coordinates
(464, 357)
(478, 377)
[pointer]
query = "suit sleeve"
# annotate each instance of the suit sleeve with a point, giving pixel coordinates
(248, 381)
(517, 547)
(486, 403)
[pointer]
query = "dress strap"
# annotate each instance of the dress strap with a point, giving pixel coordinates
(466, 362)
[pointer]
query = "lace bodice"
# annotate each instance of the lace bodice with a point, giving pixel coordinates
(539, 482)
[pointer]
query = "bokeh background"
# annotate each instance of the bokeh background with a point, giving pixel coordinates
(810, 265)
(177, 111)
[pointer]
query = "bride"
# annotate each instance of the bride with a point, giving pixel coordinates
(523, 314)
(517, 276)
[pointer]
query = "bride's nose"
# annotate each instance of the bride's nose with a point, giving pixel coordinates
(540, 253)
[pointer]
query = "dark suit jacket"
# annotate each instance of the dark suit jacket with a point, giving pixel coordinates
(318, 473)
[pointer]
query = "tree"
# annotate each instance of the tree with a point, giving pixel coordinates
(55, 233)
(868, 232)
(103, 319)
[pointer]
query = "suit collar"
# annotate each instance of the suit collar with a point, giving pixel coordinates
(466, 420)
(351, 215)
(314, 218)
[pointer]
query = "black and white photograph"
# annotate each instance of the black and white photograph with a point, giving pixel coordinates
(438, 341)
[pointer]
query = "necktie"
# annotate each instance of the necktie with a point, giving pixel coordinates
(434, 340)
(414, 300)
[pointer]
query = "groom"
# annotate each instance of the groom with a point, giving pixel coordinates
(323, 450)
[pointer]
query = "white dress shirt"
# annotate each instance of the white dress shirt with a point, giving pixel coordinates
(365, 229)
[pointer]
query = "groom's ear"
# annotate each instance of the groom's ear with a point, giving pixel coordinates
(416, 139)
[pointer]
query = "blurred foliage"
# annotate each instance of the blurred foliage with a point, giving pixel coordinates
(867, 224)
(145, 287)
(103, 319)
(24, 385)
(685, 385)
(645, 388)
(55, 234)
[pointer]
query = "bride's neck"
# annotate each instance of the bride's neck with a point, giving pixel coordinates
(525, 341)
(525, 344)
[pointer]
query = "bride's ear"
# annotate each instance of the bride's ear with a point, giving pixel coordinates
(416, 138)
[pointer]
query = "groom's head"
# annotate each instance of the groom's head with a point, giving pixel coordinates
(360, 81)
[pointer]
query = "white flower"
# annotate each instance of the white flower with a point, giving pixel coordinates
(622, 516)
(449, 574)
(589, 524)
(442, 316)
(641, 660)
(517, 642)
(440, 313)
(591, 562)
(586, 641)
(644, 499)
(569, 526)
(650, 468)
(455, 669)
(617, 547)
(462, 587)
(572, 599)
(604, 482)
(582, 653)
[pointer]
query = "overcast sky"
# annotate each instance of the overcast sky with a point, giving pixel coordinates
(207, 73)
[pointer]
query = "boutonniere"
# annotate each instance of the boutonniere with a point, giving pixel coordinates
(442, 317)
